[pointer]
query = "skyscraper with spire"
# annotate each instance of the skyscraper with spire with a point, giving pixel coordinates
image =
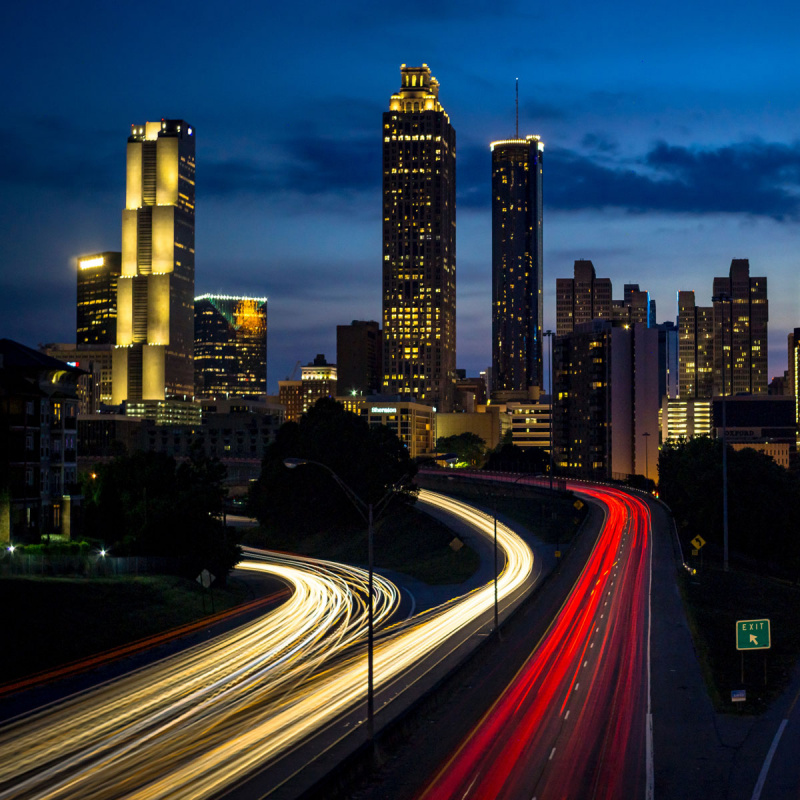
(419, 243)
(517, 263)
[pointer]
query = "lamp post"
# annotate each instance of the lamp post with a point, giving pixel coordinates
(725, 298)
(366, 511)
(496, 602)
(552, 406)
(646, 435)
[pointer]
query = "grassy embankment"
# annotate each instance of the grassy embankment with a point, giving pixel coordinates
(406, 540)
(52, 621)
(551, 517)
(714, 601)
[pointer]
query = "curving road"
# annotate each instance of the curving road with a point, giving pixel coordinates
(575, 720)
(124, 737)
(195, 724)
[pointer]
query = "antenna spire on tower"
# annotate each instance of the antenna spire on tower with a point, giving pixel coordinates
(517, 108)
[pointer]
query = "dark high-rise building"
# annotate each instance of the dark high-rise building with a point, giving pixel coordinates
(635, 307)
(582, 299)
(419, 243)
(96, 319)
(154, 356)
(740, 332)
(359, 356)
(517, 263)
(695, 348)
(606, 379)
(230, 345)
(667, 359)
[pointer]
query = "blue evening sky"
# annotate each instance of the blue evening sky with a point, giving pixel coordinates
(671, 131)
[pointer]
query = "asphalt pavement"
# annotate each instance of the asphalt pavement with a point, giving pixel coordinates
(701, 754)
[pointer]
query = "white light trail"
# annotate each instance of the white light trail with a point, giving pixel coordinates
(192, 724)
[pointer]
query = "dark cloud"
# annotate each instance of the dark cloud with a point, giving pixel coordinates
(541, 111)
(311, 166)
(755, 178)
(600, 142)
(51, 153)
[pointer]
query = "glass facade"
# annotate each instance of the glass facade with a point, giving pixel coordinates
(230, 345)
(517, 264)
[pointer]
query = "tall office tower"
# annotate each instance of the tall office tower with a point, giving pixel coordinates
(154, 356)
(794, 373)
(230, 345)
(695, 348)
(96, 321)
(517, 263)
(359, 356)
(419, 243)
(605, 423)
(582, 298)
(740, 332)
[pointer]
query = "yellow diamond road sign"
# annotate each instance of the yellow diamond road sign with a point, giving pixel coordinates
(698, 542)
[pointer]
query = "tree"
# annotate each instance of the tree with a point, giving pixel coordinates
(145, 504)
(367, 459)
(508, 457)
(763, 499)
(468, 447)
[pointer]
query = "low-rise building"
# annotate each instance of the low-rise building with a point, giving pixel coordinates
(38, 444)
(414, 423)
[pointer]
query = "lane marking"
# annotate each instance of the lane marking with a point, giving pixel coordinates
(768, 760)
(552, 753)
(566, 716)
(576, 687)
(584, 664)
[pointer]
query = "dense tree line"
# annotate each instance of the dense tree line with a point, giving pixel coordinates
(763, 501)
(368, 459)
(147, 504)
(468, 448)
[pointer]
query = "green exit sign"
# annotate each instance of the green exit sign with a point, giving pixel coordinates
(752, 634)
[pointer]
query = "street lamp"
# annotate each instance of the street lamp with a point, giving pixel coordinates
(646, 435)
(366, 512)
(496, 604)
(725, 298)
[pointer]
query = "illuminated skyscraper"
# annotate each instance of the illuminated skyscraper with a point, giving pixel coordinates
(96, 321)
(230, 345)
(419, 243)
(154, 356)
(517, 264)
(695, 348)
(794, 373)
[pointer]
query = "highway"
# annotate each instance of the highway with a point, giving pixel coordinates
(575, 720)
(195, 724)
(120, 738)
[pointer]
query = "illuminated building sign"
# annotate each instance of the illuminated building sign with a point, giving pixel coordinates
(88, 263)
(379, 410)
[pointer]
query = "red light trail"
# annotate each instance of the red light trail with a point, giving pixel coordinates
(574, 721)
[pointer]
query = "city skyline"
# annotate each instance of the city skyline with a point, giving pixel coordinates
(660, 169)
